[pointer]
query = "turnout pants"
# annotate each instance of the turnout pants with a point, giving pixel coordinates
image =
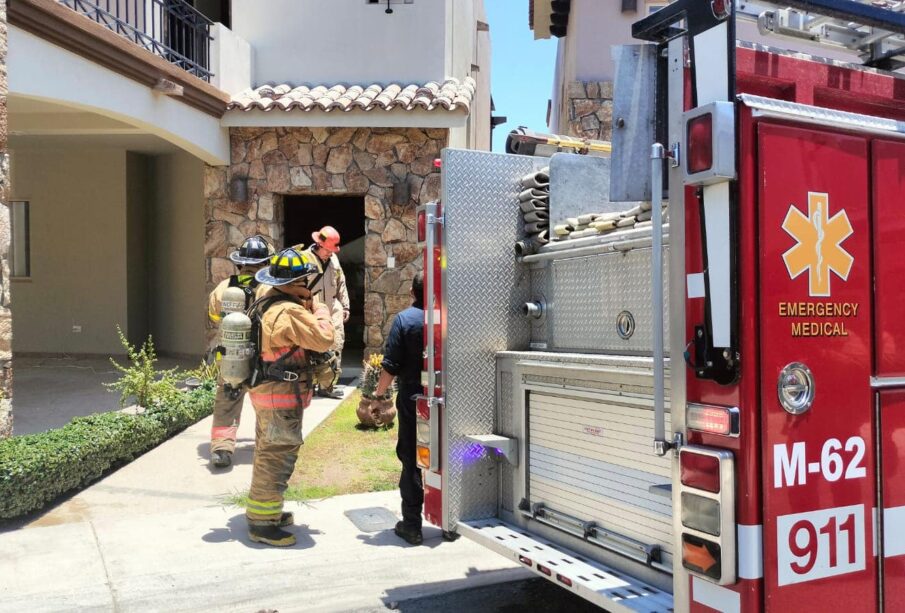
(410, 487)
(278, 436)
(227, 413)
(339, 341)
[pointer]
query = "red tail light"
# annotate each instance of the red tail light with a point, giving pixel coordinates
(564, 580)
(713, 419)
(545, 570)
(700, 143)
(422, 227)
(700, 471)
(525, 561)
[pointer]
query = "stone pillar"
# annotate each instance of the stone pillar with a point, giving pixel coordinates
(391, 168)
(590, 109)
(6, 323)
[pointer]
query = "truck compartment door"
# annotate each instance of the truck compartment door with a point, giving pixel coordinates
(888, 174)
(815, 361)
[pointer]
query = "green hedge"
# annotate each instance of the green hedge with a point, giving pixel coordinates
(37, 468)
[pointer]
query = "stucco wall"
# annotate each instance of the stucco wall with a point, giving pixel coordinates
(136, 246)
(6, 388)
(176, 226)
(364, 161)
(342, 41)
(78, 251)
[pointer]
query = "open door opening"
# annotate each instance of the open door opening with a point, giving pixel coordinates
(304, 215)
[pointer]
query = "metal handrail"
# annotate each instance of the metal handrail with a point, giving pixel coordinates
(171, 29)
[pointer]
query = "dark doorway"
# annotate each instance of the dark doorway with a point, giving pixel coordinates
(306, 214)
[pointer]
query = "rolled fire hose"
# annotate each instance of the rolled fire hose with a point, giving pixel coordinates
(533, 193)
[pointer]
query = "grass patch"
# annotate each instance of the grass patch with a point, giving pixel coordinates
(340, 458)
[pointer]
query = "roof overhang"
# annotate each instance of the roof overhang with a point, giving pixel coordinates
(396, 118)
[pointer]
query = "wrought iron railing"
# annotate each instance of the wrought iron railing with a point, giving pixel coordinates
(172, 29)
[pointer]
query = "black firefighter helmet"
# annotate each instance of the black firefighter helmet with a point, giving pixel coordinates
(287, 266)
(253, 252)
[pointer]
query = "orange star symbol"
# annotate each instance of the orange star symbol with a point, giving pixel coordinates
(819, 244)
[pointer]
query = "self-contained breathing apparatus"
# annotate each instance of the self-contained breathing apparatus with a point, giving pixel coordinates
(236, 345)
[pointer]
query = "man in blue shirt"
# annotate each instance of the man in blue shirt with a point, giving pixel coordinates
(402, 359)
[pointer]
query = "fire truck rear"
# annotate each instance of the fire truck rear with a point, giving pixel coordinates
(707, 413)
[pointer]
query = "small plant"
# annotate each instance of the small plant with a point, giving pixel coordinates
(206, 374)
(141, 381)
(373, 367)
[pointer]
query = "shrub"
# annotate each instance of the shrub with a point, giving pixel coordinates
(141, 380)
(37, 468)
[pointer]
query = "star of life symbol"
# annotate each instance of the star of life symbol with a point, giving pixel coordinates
(819, 244)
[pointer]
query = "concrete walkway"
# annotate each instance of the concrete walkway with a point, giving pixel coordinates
(155, 536)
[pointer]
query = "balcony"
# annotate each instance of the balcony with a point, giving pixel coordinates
(170, 29)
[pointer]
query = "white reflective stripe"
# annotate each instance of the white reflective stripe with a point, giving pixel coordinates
(711, 62)
(893, 532)
(716, 219)
(695, 285)
(750, 551)
(874, 516)
(714, 596)
(433, 480)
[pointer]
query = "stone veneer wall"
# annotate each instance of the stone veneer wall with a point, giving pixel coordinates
(372, 162)
(6, 322)
(590, 109)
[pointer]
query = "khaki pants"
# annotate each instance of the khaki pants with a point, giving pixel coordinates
(227, 413)
(278, 436)
(339, 340)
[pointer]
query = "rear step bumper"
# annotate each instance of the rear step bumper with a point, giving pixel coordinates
(595, 582)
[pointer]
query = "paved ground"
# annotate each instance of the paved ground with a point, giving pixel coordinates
(48, 392)
(154, 536)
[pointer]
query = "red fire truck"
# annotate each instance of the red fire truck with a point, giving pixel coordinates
(729, 435)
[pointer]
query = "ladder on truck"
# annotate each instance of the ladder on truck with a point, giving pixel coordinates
(875, 30)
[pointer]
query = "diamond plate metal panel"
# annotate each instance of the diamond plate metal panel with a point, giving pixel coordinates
(484, 289)
(505, 426)
(539, 281)
(589, 293)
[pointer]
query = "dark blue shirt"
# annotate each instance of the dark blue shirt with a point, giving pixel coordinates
(403, 350)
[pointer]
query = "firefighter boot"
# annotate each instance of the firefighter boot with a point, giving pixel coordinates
(221, 458)
(286, 519)
(270, 534)
(409, 534)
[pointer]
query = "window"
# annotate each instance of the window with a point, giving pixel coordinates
(19, 247)
(653, 7)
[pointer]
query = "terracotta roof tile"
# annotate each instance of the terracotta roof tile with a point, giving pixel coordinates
(450, 95)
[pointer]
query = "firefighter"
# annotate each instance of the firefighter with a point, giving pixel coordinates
(402, 358)
(291, 323)
(252, 255)
(331, 287)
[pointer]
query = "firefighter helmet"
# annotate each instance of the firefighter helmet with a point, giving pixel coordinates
(287, 266)
(255, 250)
(328, 238)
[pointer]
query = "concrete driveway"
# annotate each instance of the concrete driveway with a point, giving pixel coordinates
(156, 536)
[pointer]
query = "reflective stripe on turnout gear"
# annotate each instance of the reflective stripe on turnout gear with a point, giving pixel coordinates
(257, 507)
(224, 432)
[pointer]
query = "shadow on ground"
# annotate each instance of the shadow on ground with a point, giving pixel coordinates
(387, 538)
(237, 530)
(244, 454)
(513, 597)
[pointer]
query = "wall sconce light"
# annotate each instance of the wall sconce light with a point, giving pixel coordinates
(389, 11)
(238, 189)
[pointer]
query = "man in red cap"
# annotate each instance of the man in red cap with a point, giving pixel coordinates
(332, 289)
